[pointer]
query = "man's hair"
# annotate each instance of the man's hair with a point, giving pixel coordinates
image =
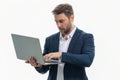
(63, 8)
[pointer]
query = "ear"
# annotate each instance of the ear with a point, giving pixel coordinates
(72, 18)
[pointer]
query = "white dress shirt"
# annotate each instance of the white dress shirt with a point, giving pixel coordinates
(63, 47)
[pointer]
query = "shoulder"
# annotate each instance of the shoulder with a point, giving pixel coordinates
(83, 34)
(53, 36)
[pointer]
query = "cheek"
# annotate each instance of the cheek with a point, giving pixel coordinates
(65, 24)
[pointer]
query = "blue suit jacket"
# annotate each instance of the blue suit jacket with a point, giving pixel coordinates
(80, 54)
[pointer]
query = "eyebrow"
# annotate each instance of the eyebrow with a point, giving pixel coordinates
(61, 20)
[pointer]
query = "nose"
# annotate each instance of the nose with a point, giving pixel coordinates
(59, 24)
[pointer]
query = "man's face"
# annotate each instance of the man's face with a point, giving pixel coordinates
(64, 23)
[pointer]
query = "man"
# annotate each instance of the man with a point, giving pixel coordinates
(72, 46)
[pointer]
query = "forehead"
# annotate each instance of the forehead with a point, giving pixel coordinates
(60, 16)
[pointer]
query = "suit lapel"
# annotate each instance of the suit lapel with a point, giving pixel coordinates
(56, 42)
(73, 40)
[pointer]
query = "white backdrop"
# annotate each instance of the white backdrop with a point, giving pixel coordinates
(34, 18)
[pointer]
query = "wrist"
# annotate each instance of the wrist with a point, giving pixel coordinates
(60, 54)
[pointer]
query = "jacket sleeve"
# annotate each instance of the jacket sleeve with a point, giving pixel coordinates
(42, 69)
(86, 55)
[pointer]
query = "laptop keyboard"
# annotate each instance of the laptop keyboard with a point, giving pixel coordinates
(52, 61)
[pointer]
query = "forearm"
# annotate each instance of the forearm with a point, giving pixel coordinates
(83, 60)
(84, 55)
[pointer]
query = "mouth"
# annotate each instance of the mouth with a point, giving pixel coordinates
(62, 30)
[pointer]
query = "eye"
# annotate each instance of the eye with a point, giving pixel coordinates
(61, 21)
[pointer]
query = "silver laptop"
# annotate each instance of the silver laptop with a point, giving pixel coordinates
(25, 47)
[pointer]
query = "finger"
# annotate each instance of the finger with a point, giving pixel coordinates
(27, 61)
(47, 57)
(34, 64)
(50, 57)
(33, 60)
(38, 65)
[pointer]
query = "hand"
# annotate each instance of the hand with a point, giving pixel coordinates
(55, 55)
(33, 62)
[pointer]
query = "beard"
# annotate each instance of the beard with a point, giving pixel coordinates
(66, 30)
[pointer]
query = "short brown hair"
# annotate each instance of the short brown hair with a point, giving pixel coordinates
(63, 8)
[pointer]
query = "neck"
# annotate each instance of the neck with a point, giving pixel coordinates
(72, 27)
